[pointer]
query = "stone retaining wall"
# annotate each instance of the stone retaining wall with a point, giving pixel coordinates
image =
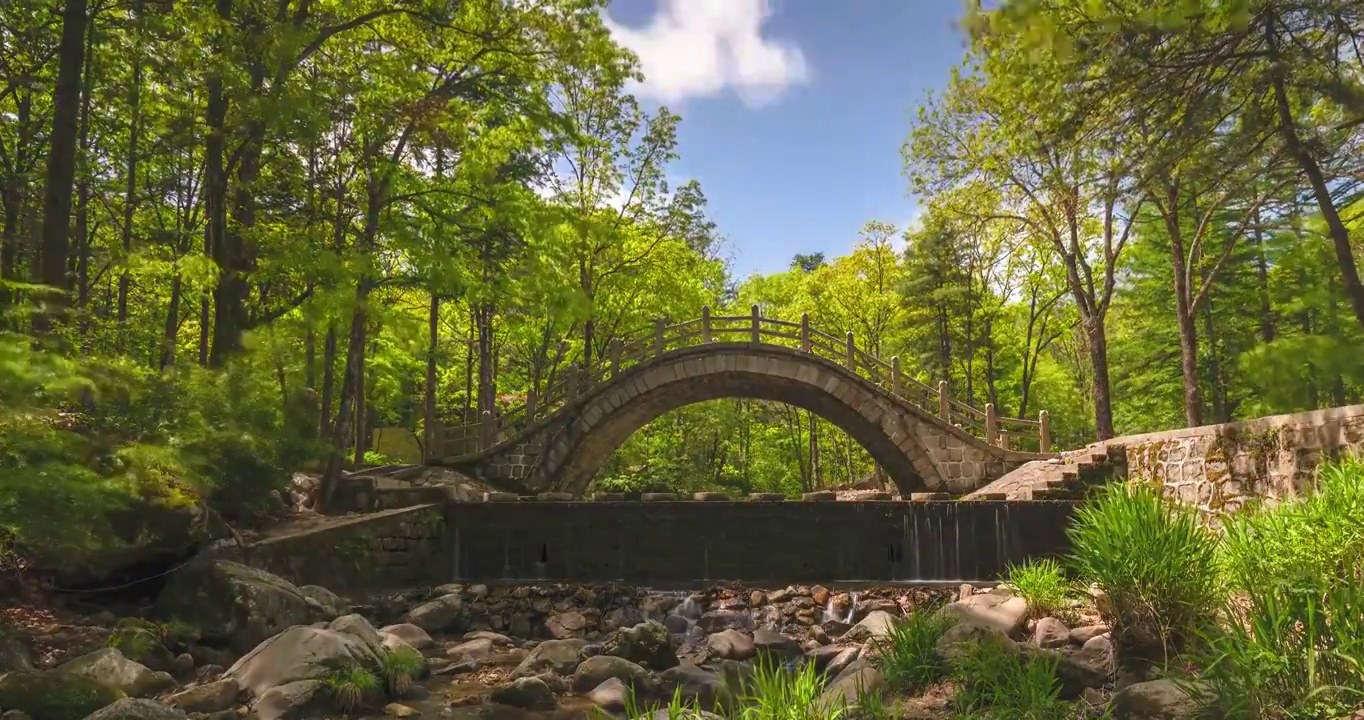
(1218, 468)
(395, 548)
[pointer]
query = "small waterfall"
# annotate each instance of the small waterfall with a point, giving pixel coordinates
(688, 609)
(830, 612)
(852, 608)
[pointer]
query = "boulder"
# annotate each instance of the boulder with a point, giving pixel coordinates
(1000, 612)
(399, 710)
(445, 614)
(528, 693)
(136, 709)
(1163, 699)
(108, 667)
(612, 695)
(677, 624)
(649, 644)
(290, 701)
(621, 617)
(14, 655)
(328, 603)
(874, 626)
(410, 634)
(693, 684)
(774, 645)
(954, 642)
(557, 656)
(53, 695)
(285, 671)
(859, 678)
(1050, 633)
(1081, 635)
(597, 670)
(716, 620)
(565, 625)
(235, 605)
(208, 698)
(476, 649)
(731, 645)
(1076, 668)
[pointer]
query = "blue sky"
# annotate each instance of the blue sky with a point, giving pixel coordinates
(793, 111)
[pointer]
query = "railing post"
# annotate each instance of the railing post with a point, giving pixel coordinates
(805, 332)
(1043, 432)
(659, 326)
(614, 350)
(530, 406)
(852, 353)
(944, 401)
(991, 424)
(757, 325)
(705, 324)
(571, 382)
(895, 387)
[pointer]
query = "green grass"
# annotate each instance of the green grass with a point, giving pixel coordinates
(1044, 585)
(777, 694)
(1291, 643)
(907, 655)
(350, 686)
(997, 682)
(399, 668)
(1156, 563)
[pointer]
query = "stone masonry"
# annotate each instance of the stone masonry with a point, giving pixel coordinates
(919, 451)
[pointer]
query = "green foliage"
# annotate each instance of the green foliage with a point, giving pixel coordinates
(1292, 641)
(58, 696)
(777, 693)
(1044, 585)
(998, 682)
(374, 457)
(676, 709)
(907, 655)
(350, 687)
(1154, 562)
(399, 668)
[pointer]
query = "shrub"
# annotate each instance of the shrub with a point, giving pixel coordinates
(1156, 564)
(1292, 643)
(908, 656)
(399, 668)
(350, 686)
(1043, 584)
(996, 681)
(780, 694)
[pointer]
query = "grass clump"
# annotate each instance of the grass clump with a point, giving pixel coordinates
(399, 668)
(907, 655)
(999, 682)
(1292, 638)
(350, 686)
(1044, 585)
(677, 708)
(779, 694)
(1156, 564)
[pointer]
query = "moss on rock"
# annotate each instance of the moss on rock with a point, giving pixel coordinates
(53, 695)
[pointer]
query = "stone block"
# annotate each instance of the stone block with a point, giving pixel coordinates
(766, 497)
(608, 497)
(710, 497)
(989, 497)
(876, 497)
(554, 497)
(658, 497)
(819, 496)
(929, 497)
(500, 497)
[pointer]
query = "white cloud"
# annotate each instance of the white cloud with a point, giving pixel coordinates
(698, 48)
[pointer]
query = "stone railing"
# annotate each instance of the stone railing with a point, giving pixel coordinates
(628, 351)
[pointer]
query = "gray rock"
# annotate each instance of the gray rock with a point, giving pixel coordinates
(955, 641)
(772, 644)
(136, 709)
(841, 661)
(286, 702)
(410, 634)
(874, 626)
(329, 603)
(476, 649)
(1080, 635)
(731, 645)
(445, 614)
(234, 604)
(209, 697)
(287, 669)
(717, 620)
(861, 677)
(14, 655)
(696, 685)
(528, 693)
(14, 715)
(1163, 699)
(612, 695)
(677, 624)
(108, 667)
(622, 617)
(1050, 633)
(596, 670)
(556, 656)
(1000, 612)
(565, 625)
(649, 644)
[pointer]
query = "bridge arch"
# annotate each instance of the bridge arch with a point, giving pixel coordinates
(918, 451)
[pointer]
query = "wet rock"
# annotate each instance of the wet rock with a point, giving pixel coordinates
(1050, 633)
(529, 693)
(612, 696)
(399, 710)
(694, 684)
(476, 649)
(412, 635)
(565, 625)
(108, 667)
(677, 624)
(772, 644)
(556, 656)
(874, 626)
(234, 604)
(649, 644)
(209, 697)
(442, 615)
(1000, 612)
(136, 709)
(731, 645)
(1163, 699)
(596, 670)
(717, 620)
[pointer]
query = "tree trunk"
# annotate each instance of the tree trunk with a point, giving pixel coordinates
(324, 415)
(429, 406)
(1188, 332)
(1096, 338)
(82, 254)
(61, 159)
(215, 191)
(1221, 409)
(1262, 276)
(130, 166)
(171, 331)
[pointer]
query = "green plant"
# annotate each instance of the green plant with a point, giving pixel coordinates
(399, 668)
(780, 694)
(349, 686)
(871, 706)
(998, 681)
(374, 457)
(908, 655)
(1155, 564)
(1044, 585)
(676, 709)
(1292, 638)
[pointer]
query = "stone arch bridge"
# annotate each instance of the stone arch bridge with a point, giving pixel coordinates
(923, 439)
